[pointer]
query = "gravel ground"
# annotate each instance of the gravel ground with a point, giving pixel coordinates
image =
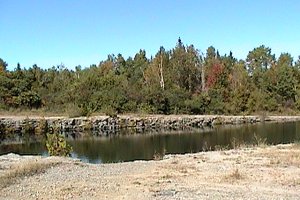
(249, 173)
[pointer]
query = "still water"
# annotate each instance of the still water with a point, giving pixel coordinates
(121, 148)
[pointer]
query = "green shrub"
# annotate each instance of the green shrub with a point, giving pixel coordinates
(28, 128)
(110, 111)
(198, 104)
(57, 145)
(72, 110)
(42, 127)
(146, 108)
(297, 104)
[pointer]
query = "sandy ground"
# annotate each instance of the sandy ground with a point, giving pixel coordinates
(249, 173)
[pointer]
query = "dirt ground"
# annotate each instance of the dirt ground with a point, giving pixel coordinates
(271, 172)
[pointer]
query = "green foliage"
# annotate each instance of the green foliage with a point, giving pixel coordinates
(181, 80)
(42, 127)
(110, 111)
(29, 99)
(74, 111)
(198, 104)
(176, 99)
(297, 98)
(217, 104)
(57, 145)
(28, 128)
(146, 108)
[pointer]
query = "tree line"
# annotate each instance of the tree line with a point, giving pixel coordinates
(182, 80)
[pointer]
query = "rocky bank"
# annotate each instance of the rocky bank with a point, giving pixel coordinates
(108, 125)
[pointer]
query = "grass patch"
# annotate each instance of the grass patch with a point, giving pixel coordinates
(285, 156)
(286, 159)
(258, 141)
(28, 168)
(236, 144)
(235, 175)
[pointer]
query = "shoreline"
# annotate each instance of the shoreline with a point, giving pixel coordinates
(271, 172)
(103, 125)
(38, 116)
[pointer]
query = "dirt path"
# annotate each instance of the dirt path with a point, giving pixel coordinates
(249, 173)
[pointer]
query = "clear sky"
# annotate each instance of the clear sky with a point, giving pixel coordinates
(83, 32)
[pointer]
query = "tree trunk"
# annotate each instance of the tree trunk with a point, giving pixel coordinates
(202, 76)
(162, 83)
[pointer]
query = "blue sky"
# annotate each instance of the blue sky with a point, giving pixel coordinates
(83, 32)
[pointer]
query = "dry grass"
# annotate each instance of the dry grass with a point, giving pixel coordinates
(236, 144)
(33, 112)
(283, 157)
(256, 142)
(260, 142)
(27, 168)
(234, 175)
(291, 158)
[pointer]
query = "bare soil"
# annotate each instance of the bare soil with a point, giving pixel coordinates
(248, 173)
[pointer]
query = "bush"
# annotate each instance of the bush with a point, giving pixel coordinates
(30, 99)
(42, 127)
(216, 103)
(72, 110)
(297, 104)
(57, 145)
(110, 111)
(146, 108)
(28, 128)
(198, 104)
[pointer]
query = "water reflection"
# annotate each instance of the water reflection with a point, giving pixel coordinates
(119, 148)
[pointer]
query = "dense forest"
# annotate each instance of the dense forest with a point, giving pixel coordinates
(182, 80)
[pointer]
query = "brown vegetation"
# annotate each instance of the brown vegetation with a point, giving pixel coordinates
(27, 168)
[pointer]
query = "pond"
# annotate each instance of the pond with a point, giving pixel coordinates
(121, 148)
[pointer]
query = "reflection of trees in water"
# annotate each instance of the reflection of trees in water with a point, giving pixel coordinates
(297, 136)
(124, 146)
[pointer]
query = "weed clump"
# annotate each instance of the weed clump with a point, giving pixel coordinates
(159, 155)
(258, 141)
(57, 145)
(234, 176)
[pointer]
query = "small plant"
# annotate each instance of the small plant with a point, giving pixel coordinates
(236, 174)
(28, 127)
(88, 126)
(110, 111)
(158, 155)
(235, 143)
(258, 141)
(73, 111)
(262, 116)
(42, 127)
(221, 148)
(57, 145)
